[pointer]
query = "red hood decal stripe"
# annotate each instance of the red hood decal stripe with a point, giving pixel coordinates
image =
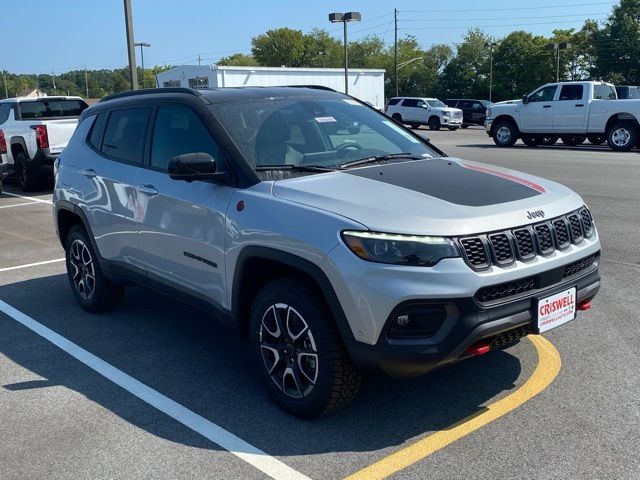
(506, 176)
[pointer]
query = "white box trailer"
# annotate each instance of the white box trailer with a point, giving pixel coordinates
(365, 84)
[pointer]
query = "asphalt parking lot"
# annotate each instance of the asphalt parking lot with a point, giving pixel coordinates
(60, 418)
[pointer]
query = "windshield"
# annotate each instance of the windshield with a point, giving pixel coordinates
(436, 103)
(308, 130)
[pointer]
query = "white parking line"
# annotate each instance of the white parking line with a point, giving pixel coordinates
(24, 197)
(19, 204)
(235, 445)
(27, 265)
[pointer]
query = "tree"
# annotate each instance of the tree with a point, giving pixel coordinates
(282, 46)
(617, 45)
(467, 74)
(238, 60)
(323, 50)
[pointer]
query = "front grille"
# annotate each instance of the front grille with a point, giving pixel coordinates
(475, 252)
(580, 265)
(495, 292)
(502, 248)
(563, 240)
(511, 336)
(524, 243)
(576, 228)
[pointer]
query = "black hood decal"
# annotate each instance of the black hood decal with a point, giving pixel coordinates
(453, 182)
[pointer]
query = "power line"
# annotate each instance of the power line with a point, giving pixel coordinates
(494, 26)
(508, 9)
(504, 18)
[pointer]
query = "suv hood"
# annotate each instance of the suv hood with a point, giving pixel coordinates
(441, 196)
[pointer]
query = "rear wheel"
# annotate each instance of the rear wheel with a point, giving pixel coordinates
(27, 179)
(92, 290)
(298, 352)
(622, 136)
(464, 126)
(549, 140)
(415, 126)
(597, 139)
(504, 134)
(573, 140)
(434, 123)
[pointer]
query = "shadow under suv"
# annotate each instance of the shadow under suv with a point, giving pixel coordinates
(331, 236)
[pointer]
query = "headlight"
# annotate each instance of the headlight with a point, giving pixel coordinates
(488, 114)
(399, 249)
(446, 114)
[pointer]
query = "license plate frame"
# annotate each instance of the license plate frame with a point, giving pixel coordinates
(555, 310)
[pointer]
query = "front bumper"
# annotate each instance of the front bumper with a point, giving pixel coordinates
(451, 121)
(487, 126)
(471, 323)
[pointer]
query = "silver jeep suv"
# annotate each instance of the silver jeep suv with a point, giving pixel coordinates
(336, 240)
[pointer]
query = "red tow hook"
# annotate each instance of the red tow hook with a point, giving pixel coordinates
(584, 305)
(479, 348)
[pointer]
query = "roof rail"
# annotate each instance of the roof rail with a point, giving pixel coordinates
(316, 87)
(148, 91)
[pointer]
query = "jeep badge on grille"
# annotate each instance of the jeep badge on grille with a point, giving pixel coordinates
(535, 214)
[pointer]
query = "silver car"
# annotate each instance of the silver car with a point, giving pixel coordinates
(335, 239)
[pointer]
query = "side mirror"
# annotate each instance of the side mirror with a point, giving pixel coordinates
(194, 166)
(525, 99)
(425, 106)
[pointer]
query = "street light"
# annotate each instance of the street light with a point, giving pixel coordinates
(142, 44)
(556, 47)
(490, 45)
(345, 18)
(322, 55)
(404, 64)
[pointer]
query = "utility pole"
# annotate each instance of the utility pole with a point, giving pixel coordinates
(345, 18)
(395, 48)
(128, 21)
(199, 59)
(53, 75)
(490, 45)
(86, 82)
(556, 47)
(6, 89)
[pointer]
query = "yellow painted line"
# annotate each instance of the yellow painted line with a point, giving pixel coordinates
(545, 372)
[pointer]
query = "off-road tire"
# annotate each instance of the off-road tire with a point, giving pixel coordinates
(105, 294)
(573, 140)
(338, 379)
(597, 139)
(532, 141)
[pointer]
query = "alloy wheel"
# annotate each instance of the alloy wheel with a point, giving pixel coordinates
(620, 137)
(288, 350)
(83, 274)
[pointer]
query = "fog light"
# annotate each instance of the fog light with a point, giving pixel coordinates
(403, 320)
(417, 321)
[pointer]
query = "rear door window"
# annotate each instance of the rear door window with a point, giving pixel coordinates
(394, 101)
(571, 92)
(604, 92)
(410, 102)
(53, 108)
(124, 135)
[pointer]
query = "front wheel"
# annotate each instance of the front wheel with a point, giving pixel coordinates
(622, 136)
(92, 290)
(397, 117)
(434, 123)
(504, 134)
(298, 352)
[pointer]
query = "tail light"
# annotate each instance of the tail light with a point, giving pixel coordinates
(42, 137)
(3, 143)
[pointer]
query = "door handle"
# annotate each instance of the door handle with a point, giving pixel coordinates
(147, 190)
(579, 105)
(546, 106)
(88, 172)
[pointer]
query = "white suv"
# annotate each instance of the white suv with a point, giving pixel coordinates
(424, 111)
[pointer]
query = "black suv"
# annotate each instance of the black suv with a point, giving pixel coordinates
(473, 111)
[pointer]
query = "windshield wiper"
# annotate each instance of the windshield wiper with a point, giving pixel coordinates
(381, 158)
(294, 168)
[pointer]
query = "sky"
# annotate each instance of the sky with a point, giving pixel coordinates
(63, 35)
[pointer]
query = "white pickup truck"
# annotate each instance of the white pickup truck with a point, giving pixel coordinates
(33, 132)
(572, 111)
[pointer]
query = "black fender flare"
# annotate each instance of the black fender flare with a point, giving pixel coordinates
(22, 143)
(66, 205)
(296, 263)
